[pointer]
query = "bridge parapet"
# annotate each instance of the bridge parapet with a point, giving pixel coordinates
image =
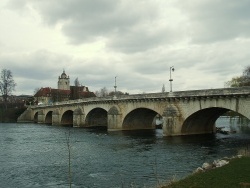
(182, 112)
(213, 92)
(153, 96)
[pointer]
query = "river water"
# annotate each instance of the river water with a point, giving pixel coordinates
(33, 155)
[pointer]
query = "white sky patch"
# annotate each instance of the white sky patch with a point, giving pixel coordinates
(137, 41)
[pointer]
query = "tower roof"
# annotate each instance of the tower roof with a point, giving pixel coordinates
(63, 75)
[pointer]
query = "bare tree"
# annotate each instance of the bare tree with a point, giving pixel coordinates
(36, 90)
(103, 92)
(247, 71)
(163, 88)
(7, 85)
(240, 81)
(118, 93)
(77, 83)
(97, 93)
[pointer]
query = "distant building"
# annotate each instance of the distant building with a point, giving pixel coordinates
(63, 82)
(79, 92)
(49, 95)
(64, 92)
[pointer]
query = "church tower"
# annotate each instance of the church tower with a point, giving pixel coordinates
(64, 82)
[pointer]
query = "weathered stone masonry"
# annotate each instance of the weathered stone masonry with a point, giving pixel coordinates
(183, 112)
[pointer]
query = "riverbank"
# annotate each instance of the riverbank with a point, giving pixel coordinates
(235, 174)
(10, 115)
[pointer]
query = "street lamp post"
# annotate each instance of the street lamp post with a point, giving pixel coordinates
(115, 86)
(170, 80)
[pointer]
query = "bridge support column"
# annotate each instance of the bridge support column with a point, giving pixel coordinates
(56, 120)
(171, 126)
(172, 121)
(114, 120)
(41, 117)
(78, 118)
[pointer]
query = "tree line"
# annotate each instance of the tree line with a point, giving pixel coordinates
(7, 84)
(240, 81)
(10, 109)
(104, 92)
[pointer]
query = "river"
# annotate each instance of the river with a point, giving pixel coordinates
(34, 155)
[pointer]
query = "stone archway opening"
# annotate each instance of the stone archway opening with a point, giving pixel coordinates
(48, 118)
(36, 117)
(67, 118)
(202, 121)
(209, 120)
(97, 118)
(140, 118)
(214, 120)
(232, 122)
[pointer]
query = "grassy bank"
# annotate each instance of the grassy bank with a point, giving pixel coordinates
(234, 174)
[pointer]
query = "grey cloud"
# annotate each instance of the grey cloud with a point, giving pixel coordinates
(159, 60)
(38, 65)
(12, 4)
(127, 26)
(87, 17)
(213, 21)
(56, 11)
(121, 22)
(141, 39)
(36, 69)
(140, 44)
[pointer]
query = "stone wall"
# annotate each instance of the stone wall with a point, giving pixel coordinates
(182, 111)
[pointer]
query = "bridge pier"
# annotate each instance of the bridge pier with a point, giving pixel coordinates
(171, 126)
(56, 120)
(114, 120)
(172, 121)
(78, 118)
(41, 117)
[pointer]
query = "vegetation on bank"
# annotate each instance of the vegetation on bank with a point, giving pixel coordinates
(10, 115)
(240, 81)
(234, 174)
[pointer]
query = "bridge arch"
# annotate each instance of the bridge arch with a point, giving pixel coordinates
(67, 118)
(36, 117)
(48, 117)
(139, 118)
(203, 121)
(114, 111)
(97, 117)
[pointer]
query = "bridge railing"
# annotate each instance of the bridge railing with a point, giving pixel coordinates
(189, 93)
(210, 92)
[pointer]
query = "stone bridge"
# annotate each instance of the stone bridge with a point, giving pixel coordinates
(181, 112)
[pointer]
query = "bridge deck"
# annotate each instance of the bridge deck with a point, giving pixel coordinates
(243, 91)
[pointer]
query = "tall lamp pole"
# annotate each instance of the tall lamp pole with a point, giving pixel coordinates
(170, 80)
(115, 86)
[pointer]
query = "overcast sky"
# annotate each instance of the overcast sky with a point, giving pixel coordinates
(207, 42)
